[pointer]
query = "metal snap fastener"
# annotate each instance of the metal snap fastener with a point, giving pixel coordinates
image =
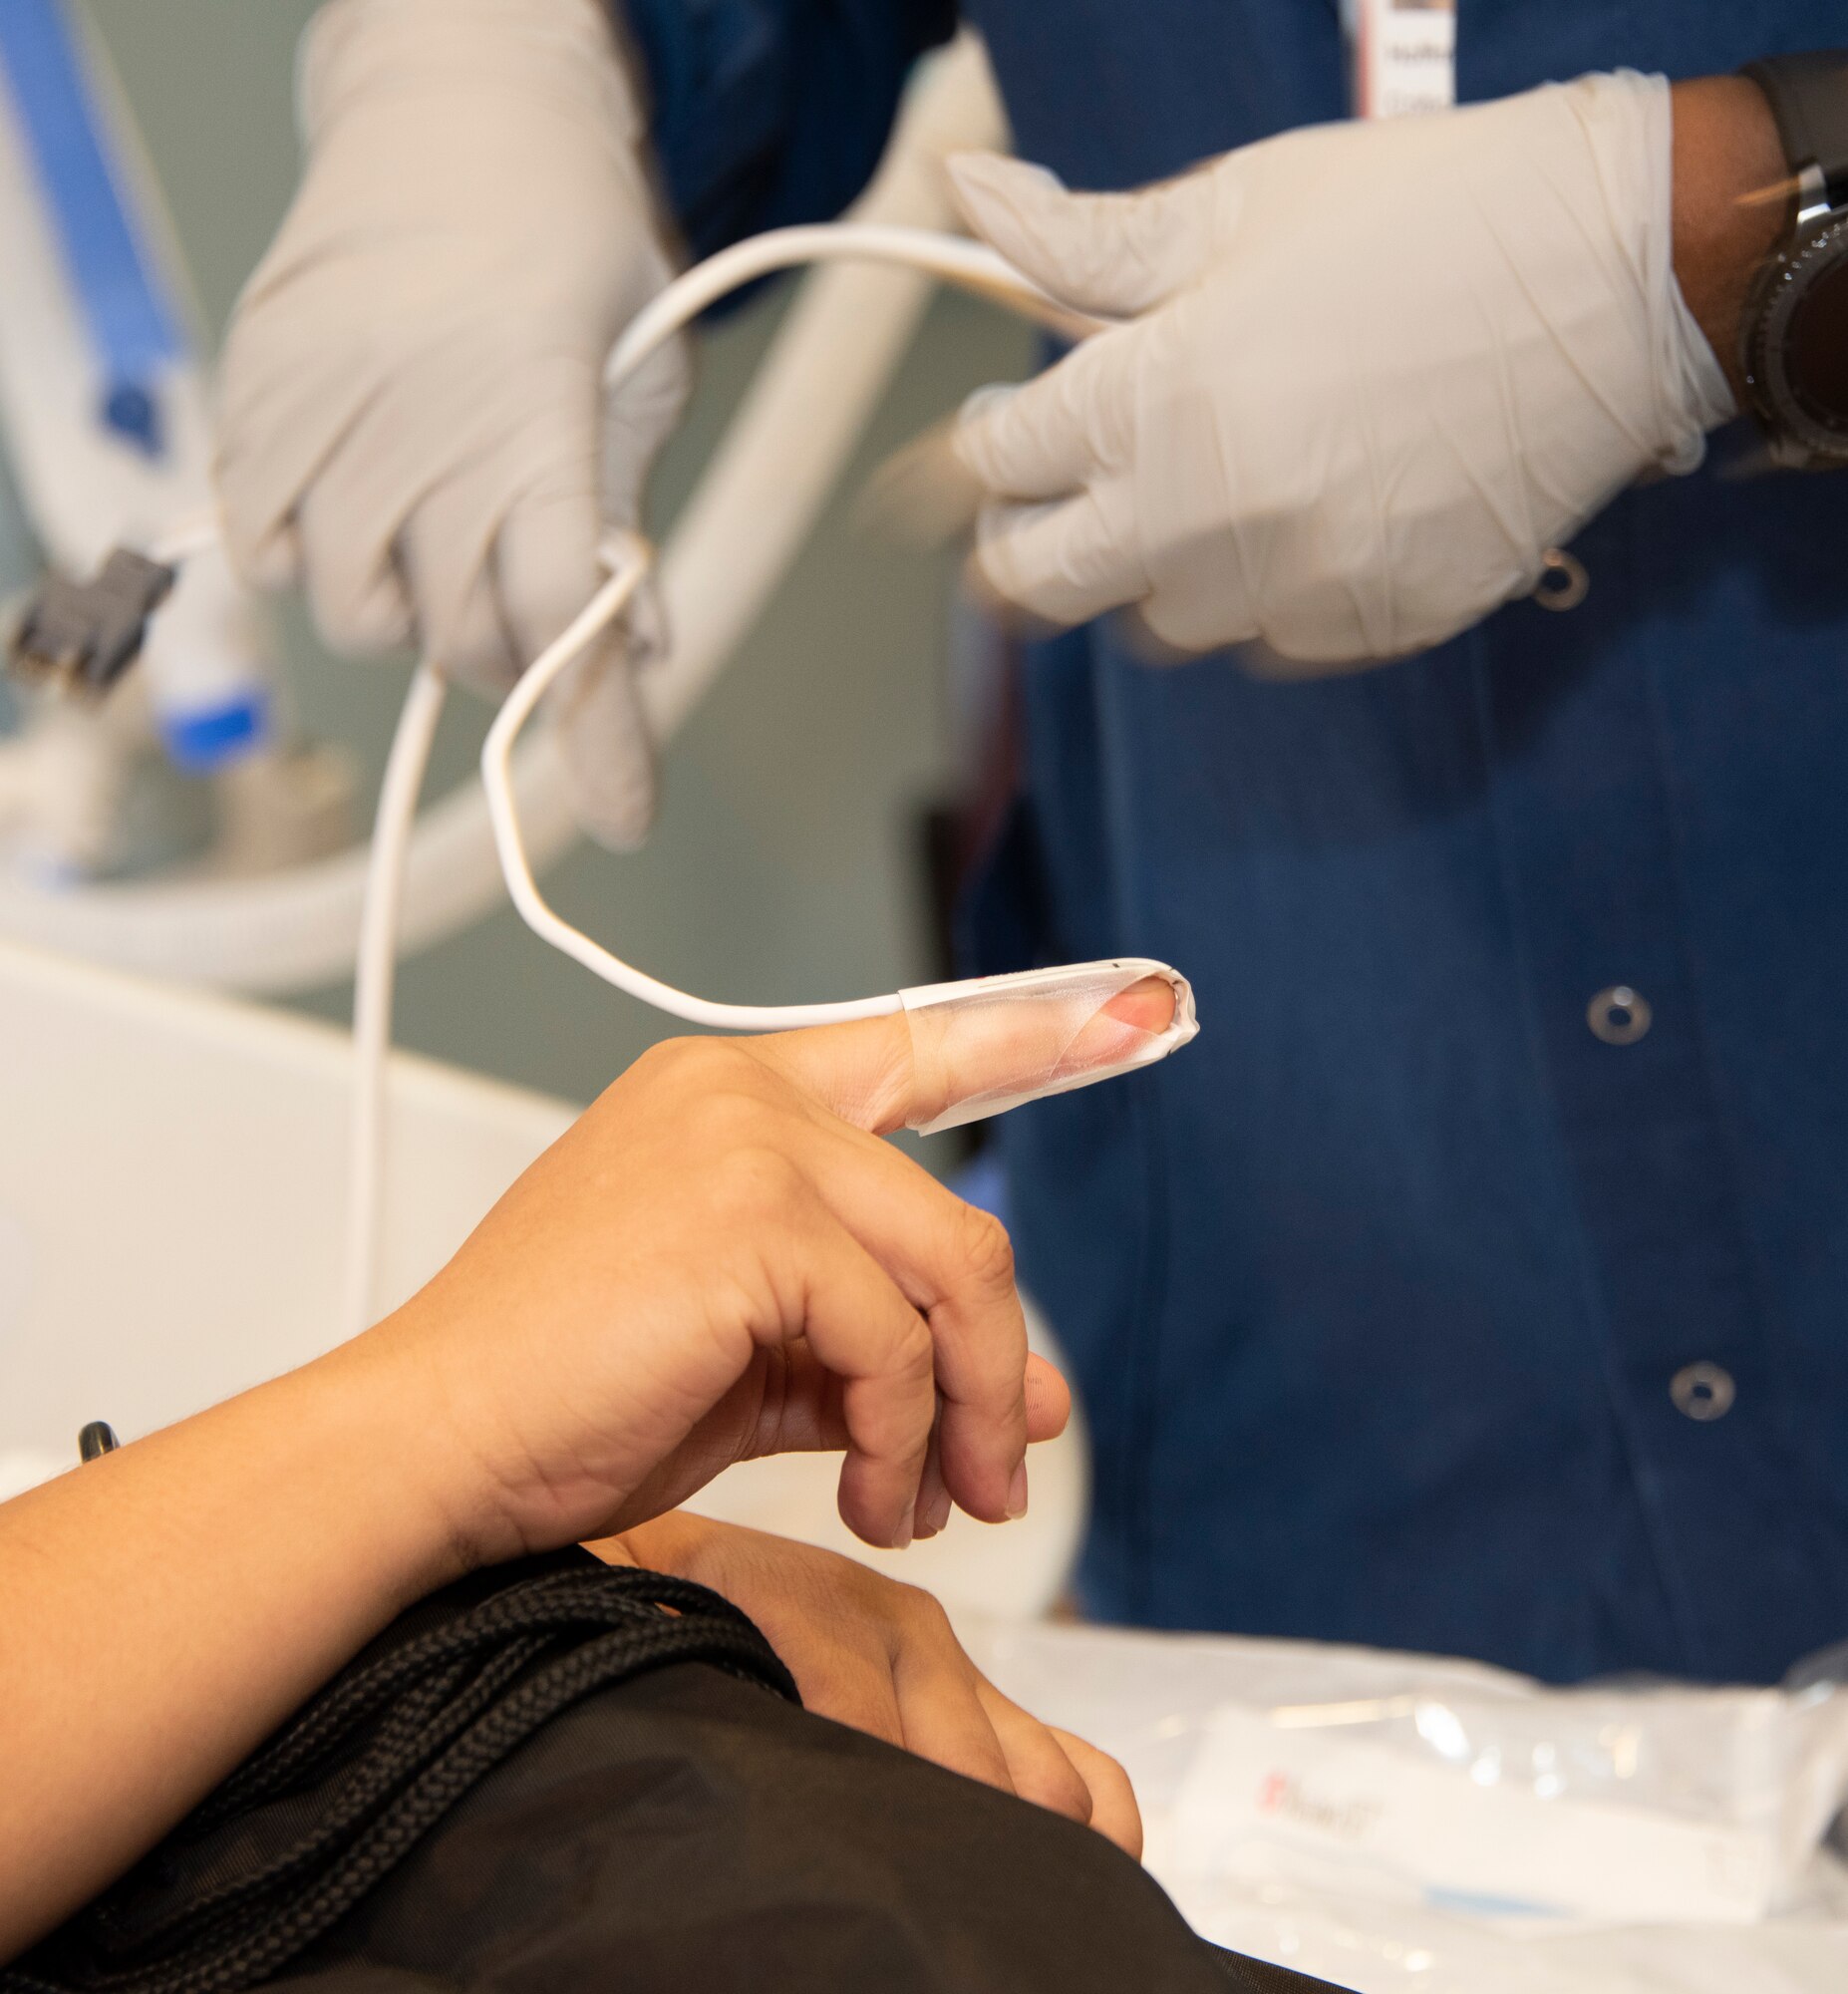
(1619, 1016)
(1702, 1390)
(1564, 583)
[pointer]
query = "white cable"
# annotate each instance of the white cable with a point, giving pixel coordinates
(972, 266)
(628, 560)
(628, 556)
(374, 976)
(196, 536)
(782, 455)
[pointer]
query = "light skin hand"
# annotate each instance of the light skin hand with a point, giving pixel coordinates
(882, 1657)
(710, 1264)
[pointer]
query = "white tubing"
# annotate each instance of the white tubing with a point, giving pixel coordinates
(782, 455)
(972, 266)
(628, 558)
(371, 991)
(949, 258)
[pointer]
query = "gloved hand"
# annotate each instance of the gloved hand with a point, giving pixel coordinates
(1370, 374)
(414, 425)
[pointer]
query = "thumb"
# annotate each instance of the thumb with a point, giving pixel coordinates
(1113, 254)
(914, 1066)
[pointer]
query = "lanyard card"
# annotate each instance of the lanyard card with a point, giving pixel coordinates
(1404, 55)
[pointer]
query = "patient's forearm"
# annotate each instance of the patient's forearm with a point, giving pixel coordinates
(164, 1609)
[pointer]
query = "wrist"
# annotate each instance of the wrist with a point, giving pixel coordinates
(1730, 205)
(489, 1459)
(407, 1462)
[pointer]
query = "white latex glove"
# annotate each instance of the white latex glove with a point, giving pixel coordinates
(1370, 374)
(414, 425)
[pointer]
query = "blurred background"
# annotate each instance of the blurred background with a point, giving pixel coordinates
(789, 859)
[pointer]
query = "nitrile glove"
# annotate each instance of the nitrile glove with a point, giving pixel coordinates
(1367, 375)
(413, 426)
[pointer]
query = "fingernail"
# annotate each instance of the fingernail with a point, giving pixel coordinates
(1017, 1494)
(939, 1515)
(901, 1539)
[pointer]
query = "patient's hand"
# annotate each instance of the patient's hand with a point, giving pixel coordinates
(714, 1263)
(719, 1259)
(882, 1657)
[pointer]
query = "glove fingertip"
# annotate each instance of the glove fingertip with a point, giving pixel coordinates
(984, 176)
(970, 436)
(1009, 204)
(990, 581)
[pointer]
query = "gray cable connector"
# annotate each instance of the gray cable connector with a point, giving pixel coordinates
(86, 634)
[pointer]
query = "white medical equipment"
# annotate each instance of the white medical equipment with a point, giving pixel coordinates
(1067, 998)
(1056, 1005)
(839, 347)
(1408, 1825)
(103, 402)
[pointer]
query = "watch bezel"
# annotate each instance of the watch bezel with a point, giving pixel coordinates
(1798, 433)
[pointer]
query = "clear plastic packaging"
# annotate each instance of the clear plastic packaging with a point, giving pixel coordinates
(1041, 1032)
(1399, 1821)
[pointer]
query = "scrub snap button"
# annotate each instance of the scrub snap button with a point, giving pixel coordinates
(1619, 1016)
(1702, 1390)
(1564, 583)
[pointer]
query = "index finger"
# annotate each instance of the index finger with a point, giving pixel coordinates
(980, 1046)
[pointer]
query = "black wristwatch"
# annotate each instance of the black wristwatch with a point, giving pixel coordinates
(1794, 343)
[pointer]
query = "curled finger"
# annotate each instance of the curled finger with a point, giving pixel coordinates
(1038, 1763)
(1114, 1810)
(945, 1718)
(954, 1263)
(870, 1339)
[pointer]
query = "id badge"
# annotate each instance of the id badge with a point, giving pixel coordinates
(1404, 55)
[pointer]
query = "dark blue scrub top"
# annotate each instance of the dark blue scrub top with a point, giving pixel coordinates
(1378, 1294)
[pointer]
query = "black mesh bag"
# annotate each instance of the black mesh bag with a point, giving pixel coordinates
(567, 1777)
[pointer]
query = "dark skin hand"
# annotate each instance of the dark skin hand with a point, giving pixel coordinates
(1732, 202)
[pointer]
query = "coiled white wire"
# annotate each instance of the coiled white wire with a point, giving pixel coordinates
(972, 266)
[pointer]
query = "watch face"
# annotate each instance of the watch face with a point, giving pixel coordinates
(1796, 351)
(1816, 351)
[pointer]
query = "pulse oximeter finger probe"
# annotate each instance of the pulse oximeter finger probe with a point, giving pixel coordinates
(1059, 994)
(980, 1046)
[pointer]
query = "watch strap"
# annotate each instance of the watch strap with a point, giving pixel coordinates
(1808, 95)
